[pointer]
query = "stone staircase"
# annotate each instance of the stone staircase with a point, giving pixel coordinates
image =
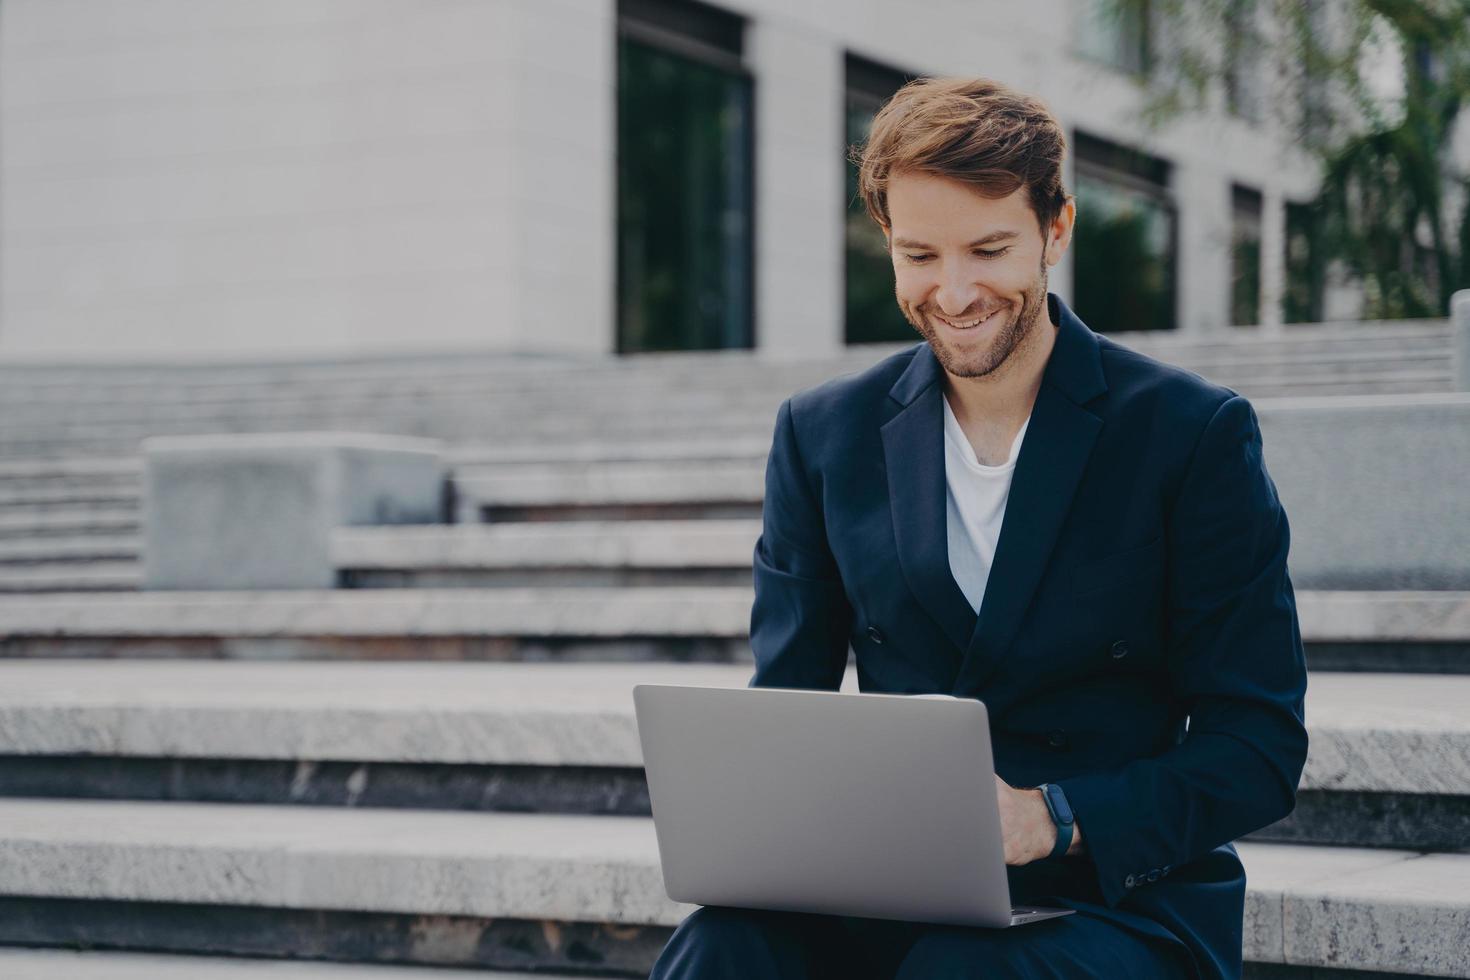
(652, 437)
(437, 765)
(497, 814)
(79, 410)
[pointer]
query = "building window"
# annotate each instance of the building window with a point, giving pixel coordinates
(1245, 256)
(872, 314)
(1124, 243)
(1115, 33)
(684, 169)
(1302, 293)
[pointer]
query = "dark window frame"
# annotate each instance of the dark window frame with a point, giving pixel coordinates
(866, 84)
(1247, 208)
(709, 35)
(1128, 168)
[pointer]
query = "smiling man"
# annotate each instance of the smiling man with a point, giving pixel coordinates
(1021, 511)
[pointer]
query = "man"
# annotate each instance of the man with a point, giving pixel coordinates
(1020, 511)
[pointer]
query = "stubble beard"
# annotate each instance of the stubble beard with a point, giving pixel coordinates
(1017, 334)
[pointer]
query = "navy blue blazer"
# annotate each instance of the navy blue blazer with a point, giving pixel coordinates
(1138, 641)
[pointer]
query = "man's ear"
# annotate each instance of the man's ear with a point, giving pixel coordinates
(1059, 236)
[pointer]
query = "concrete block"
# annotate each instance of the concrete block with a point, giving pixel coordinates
(1374, 488)
(257, 511)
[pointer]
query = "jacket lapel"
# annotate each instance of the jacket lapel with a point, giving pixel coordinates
(913, 454)
(1053, 456)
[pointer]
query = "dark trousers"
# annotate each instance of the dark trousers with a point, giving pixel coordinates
(715, 943)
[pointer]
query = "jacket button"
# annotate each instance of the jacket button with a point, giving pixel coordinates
(875, 634)
(1129, 881)
(1120, 650)
(1057, 739)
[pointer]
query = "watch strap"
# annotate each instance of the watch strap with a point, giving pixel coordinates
(1064, 829)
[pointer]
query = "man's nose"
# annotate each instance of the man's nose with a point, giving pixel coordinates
(957, 292)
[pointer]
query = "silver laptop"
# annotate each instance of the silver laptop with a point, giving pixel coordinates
(873, 805)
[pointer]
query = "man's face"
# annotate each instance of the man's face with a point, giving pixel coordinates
(970, 272)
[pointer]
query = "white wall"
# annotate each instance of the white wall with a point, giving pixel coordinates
(279, 175)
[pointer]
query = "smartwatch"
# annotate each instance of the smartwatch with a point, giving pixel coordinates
(1061, 815)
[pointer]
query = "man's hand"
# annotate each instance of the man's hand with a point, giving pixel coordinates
(1026, 826)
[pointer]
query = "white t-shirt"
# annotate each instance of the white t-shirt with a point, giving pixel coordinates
(975, 505)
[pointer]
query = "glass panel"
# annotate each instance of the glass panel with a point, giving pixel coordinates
(872, 310)
(1245, 257)
(1114, 34)
(1301, 300)
(1245, 281)
(1124, 256)
(684, 203)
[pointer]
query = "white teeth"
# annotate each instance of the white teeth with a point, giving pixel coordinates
(969, 323)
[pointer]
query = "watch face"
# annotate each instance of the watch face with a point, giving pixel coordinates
(1059, 804)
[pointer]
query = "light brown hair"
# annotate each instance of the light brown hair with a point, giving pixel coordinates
(974, 130)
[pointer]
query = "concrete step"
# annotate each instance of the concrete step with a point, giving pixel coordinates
(1386, 910)
(397, 373)
(519, 407)
(49, 471)
(68, 522)
(1389, 763)
(479, 427)
(615, 377)
(1420, 632)
(17, 963)
(474, 426)
(693, 623)
(632, 395)
(71, 576)
(507, 406)
(1382, 631)
(616, 553)
(689, 552)
(508, 891)
(74, 548)
(463, 457)
(33, 499)
(551, 491)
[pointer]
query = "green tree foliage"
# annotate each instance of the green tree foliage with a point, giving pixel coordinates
(1394, 209)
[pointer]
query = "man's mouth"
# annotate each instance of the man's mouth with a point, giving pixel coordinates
(971, 323)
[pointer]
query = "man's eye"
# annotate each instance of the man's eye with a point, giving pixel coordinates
(985, 253)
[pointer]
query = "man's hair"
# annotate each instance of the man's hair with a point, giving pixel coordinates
(974, 130)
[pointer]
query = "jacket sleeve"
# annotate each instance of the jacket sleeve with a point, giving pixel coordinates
(800, 621)
(1235, 660)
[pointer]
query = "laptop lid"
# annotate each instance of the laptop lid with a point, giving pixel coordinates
(873, 805)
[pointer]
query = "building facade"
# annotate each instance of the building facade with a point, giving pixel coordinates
(214, 178)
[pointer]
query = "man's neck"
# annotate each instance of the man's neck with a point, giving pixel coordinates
(1005, 396)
